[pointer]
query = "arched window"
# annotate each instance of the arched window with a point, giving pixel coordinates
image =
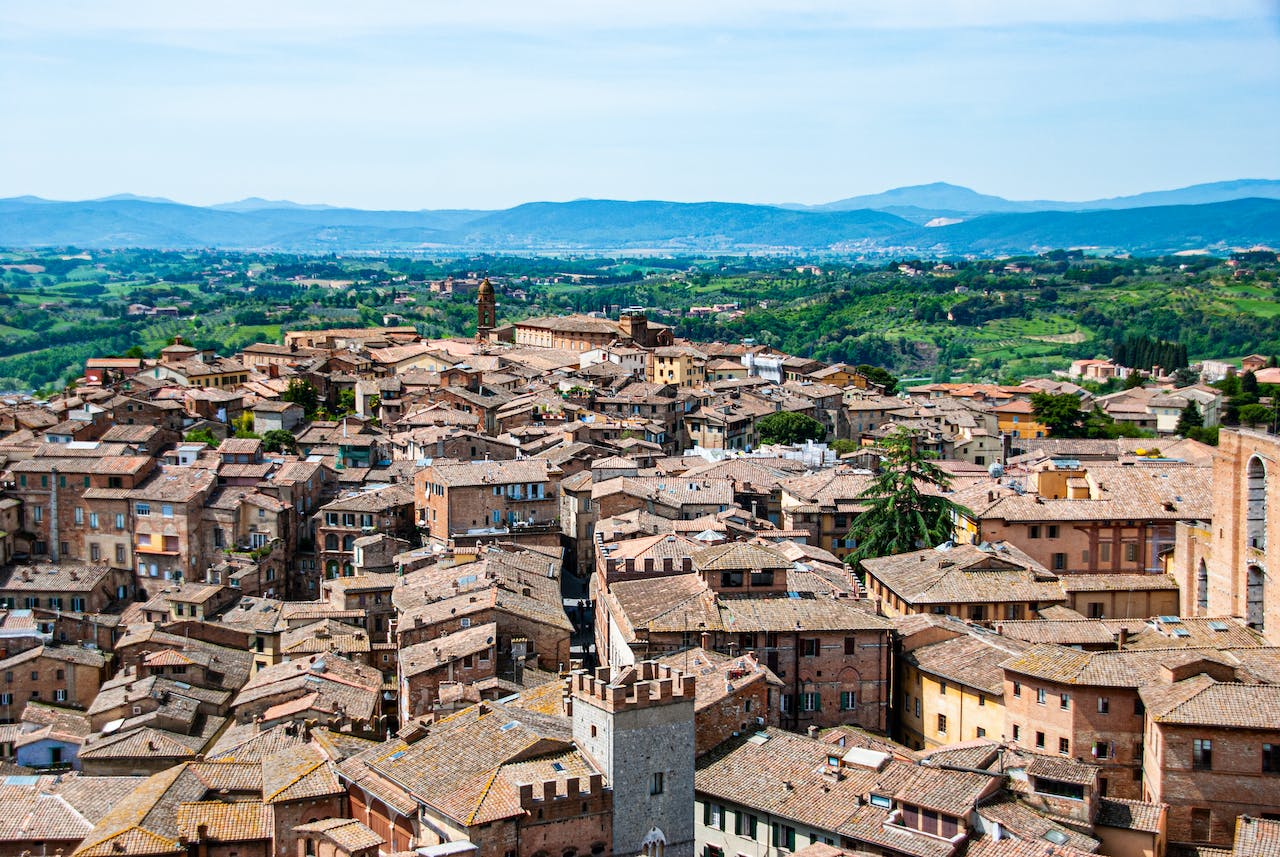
(348, 543)
(1255, 608)
(331, 569)
(331, 542)
(654, 843)
(1256, 511)
(1202, 589)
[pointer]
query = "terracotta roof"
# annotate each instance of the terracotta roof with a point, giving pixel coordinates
(1131, 815)
(298, 773)
(349, 834)
(458, 765)
(1009, 846)
(1025, 822)
(972, 660)
(1065, 632)
(239, 821)
(432, 654)
(965, 574)
(1256, 837)
(1127, 668)
(1201, 701)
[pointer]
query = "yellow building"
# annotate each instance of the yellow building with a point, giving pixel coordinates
(953, 690)
(679, 365)
(1017, 420)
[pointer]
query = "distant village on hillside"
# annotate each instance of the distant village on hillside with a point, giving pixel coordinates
(561, 590)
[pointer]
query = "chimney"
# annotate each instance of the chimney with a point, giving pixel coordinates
(1123, 638)
(704, 640)
(813, 731)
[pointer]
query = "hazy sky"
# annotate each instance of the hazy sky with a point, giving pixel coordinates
(432, 104)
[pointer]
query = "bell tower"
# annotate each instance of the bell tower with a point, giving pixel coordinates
(486, 310)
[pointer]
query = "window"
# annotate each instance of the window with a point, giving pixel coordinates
(6, 699)
(1271, 758)
(1064, 701)
(981, 733)
(1017, 731)
(917, 706)
(59, 696)
(942, 724)
(1041, 696)
(1131, 552)
(713, 815)
(1017, 688)
(1101, 750)
(1064, 746)
(1059, 562)
(1201, 824)
(78, 515)
(942, 688)
(810, 701)
(1104, 552)
(120, 554)
(1033, 531)
(787, 700)
(1095, 609)
(809, 648)
(656, 783)
(1138, 708)
(848, 700)
(850, 645)
(93, 520)
(119, 520)
(142, 510)
(784, 837)
(744, 824)
(166, 510)
(1040, 740)
(38, 513)
(1053, 531)
(1104, 705)
(1202, 754)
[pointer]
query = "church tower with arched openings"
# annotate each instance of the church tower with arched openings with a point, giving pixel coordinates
(486, 311)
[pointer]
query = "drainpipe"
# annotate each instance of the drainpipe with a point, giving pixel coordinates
(53, 514)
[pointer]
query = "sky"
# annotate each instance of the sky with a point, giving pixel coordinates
(433, 104)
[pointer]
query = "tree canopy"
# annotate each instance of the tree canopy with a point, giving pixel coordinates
(1059, 413)
(905, 507)
(788, 427)
(279, 440)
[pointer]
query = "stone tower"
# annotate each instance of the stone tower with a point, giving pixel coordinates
(639, 729)
(486, 310)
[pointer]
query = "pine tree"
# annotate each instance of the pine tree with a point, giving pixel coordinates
(1189, 419)
(905, 507)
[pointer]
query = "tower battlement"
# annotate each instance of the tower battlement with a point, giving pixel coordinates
(643, 685)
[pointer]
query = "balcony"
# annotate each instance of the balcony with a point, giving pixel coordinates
(155, 550)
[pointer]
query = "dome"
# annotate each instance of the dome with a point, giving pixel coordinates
(486, 288)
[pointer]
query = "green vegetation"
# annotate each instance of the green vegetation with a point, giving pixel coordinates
(201, 435)
(788, 427)
(279, 440)
(906, 509)
(959, 319)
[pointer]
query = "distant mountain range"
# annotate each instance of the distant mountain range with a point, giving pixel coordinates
(935, 219)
